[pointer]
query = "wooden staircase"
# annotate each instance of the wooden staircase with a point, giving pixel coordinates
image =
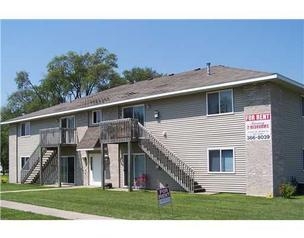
(31, 170)
(178, 170)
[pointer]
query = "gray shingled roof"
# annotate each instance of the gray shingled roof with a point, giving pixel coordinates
(181, 81)
(90, 139)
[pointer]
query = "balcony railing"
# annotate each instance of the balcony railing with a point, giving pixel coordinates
(57, 136)
(117, 131)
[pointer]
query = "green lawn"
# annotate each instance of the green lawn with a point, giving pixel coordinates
(11, 214)
(13, 187)
(143, 205)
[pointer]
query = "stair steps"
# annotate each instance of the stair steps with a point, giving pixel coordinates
(33, 176)
(169, 162)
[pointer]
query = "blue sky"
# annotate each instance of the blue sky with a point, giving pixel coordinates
(168, 46)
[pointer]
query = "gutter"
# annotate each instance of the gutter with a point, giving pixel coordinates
(165, 95)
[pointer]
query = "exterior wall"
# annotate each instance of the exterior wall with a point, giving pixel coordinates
(190, 132)
(28, 144)
(13, 165)
(288, 136)
(259, 161)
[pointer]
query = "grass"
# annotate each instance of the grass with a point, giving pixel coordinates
(13, 187)
(143, 205)
(11, 214)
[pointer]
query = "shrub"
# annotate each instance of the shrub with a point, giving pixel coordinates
(287, 190)
(4, 179)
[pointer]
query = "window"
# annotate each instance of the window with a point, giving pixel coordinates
(137, 112)
(25, 129)
(221, 160)
(24, 159)
(220, 102)
(303, 106)
(96, 117)
(67, 122)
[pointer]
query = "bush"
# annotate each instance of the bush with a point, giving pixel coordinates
(287, 190)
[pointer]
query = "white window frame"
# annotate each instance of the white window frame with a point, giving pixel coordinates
(223, 113)
(29, 125)
(23, 156)
(138, 105)
(220, 149)
(60, 123)
(92, 115)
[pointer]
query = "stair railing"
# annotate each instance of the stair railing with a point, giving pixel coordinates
(30, 164)
(168, 161)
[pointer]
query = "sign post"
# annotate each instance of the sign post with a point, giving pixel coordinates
(164, 198)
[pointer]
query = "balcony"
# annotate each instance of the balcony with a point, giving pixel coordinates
(57, 136)
(118, 131)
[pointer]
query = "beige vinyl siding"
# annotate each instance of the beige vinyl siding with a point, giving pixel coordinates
(190, 133)
(288, 135)
(28, 144)
(12, 141)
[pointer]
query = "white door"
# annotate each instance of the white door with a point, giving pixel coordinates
(95, 170)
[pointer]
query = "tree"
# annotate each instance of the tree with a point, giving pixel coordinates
(137, 74)
(69, 76)
(77, 75)
(6, 114)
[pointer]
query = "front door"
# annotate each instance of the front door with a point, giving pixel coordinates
(67, 169)
(95, 169)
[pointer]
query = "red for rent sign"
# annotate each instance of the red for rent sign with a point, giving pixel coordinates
(258, 126)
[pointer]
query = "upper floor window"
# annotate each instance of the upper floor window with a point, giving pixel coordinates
(221, 160)
(96, 117)
(137, 112)
(67, 122)
(303, 106)
(220, 102)
(25, 129)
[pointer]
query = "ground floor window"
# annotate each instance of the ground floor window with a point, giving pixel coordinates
(24, 165)
(221, 160)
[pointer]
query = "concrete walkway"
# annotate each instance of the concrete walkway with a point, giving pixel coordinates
(44, 189)
(51, 211)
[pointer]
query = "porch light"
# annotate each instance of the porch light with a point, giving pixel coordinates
(156, 114)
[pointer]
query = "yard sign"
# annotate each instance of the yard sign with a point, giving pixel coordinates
(258, 126)
(163, 196)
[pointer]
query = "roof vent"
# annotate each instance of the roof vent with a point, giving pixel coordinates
(208, 68)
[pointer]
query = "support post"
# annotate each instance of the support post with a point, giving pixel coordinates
(130, 169)
(102, 166)
(40, 156)
(59, 166)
